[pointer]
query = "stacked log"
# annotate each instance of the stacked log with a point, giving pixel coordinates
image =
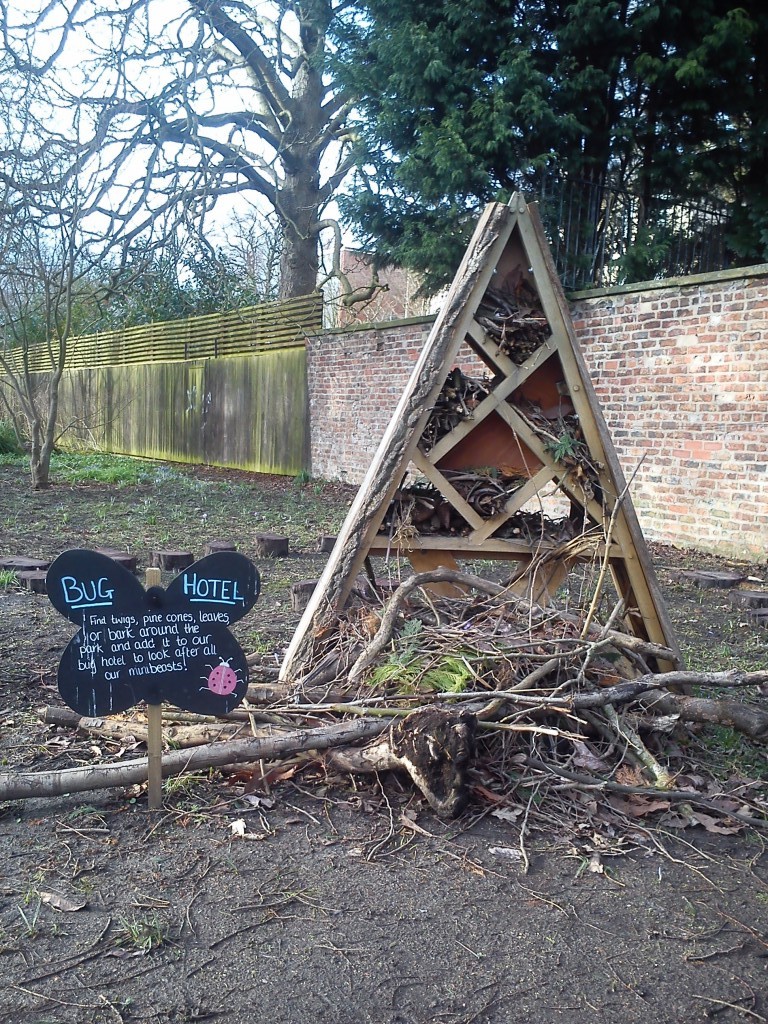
(458, 398)
(515, 320)
(423, 508)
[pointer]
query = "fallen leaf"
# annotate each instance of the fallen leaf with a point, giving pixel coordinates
(674, 819)
(63, 903)
(596, 865)
(258, 801)
(584, 758)
(507, 813)
(411, 824)
(717, 825)
(637, 806)
(508, 852)
(239, 830)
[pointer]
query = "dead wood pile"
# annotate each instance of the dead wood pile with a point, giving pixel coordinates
(514, 318)
(459, 396)
(496, 700)
(419, 508)
(422, 510)
(483, 699)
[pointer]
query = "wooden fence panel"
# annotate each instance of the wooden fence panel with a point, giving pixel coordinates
(246, 412)
(228, 389)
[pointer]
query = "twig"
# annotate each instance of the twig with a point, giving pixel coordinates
(731, 1006)
(598, 591)
(661, 775)
(673, 795)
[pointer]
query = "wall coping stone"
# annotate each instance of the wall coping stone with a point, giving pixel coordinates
(689, 280)
(376, 325)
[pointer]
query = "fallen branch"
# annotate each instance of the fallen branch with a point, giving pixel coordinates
(22, 785)
(751, 721)
(127, 730)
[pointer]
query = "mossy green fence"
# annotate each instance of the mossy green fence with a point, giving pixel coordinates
(227, 390)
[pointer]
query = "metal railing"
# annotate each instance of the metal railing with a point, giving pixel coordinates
(602, 235)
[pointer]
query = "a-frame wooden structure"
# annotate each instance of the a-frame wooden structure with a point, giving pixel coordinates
(536, 392)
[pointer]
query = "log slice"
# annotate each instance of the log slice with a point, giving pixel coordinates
(124, 558)
(23, 563)
(33, 580)
(214, 546)
(172, 560)
(713, 578)
(270, 545)
(749, 598)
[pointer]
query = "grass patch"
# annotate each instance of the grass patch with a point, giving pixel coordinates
(97, 467)
(8, 579)
(9, 440)
(727, 753)
(142, 935)
(90, 467)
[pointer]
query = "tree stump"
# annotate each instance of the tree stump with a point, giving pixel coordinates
(270, 545)
(433, 745)
(713, 578)
(124, 558)
(23, 563)
(749, 598)
(758, 616)
(301, 593)
(380, 589)
(326, 544)
(177, 560)
(33, 580)
(214, 546)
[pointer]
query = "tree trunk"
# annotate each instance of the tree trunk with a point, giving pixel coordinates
(300, 199)
(299, 261)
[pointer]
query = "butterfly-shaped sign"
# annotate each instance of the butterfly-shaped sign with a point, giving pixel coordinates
(153, 645)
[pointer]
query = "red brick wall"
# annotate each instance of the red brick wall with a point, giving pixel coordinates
(682, 377)
(356, 378)
(681, 372)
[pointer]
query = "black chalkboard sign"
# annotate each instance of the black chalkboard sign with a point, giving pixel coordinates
(153, 645)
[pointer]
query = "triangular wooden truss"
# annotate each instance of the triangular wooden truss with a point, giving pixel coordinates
(531, 427)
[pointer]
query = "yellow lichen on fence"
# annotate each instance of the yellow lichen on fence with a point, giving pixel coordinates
(247, 412)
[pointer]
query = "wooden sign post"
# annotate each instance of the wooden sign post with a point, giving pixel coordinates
(152, 645)
(153, 578)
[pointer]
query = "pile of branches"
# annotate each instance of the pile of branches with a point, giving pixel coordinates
(459, 397)
(488, 702)
(515, 319)
(563, 437)
(491, 697)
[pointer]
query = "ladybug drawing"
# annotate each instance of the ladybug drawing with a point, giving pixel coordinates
(222, 679)
(152, 645)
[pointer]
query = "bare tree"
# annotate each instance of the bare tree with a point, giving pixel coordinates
(53, 235)
(222, 97)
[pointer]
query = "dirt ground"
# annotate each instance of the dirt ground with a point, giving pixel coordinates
(337, 899)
